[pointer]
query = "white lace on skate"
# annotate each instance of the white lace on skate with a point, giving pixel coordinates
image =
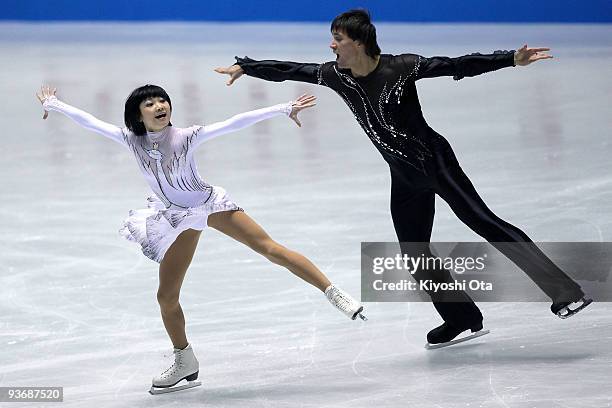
(344, 302)
(177, 365)
(185, 366)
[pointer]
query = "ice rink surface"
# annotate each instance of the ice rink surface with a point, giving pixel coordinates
(78, 306)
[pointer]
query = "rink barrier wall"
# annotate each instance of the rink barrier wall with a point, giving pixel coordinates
(469, 11)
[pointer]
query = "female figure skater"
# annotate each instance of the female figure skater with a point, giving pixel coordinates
(380, 89)
(183, 205)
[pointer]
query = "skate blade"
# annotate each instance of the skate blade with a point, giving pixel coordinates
(566, 312)
(159, 390)
(456, 341)
(358, 314)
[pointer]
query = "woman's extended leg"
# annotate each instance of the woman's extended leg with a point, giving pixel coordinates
(243, 228)
(172, 270)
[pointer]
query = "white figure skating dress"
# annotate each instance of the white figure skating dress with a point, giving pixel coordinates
(181, 199)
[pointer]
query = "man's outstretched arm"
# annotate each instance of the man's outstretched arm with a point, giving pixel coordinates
(476, 64)
(272, 70)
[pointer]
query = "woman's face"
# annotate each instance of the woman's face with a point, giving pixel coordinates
(155, 113)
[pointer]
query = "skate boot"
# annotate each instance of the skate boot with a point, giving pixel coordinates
(185, 367)
(344, 302)
(445, 334)
(564, 310)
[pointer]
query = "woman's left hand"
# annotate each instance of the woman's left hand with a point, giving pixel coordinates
(303, 102)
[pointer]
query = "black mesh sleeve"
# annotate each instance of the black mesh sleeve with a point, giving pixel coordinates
(279, 71)
(465, 66)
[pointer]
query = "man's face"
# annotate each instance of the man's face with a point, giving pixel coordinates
(346, 49)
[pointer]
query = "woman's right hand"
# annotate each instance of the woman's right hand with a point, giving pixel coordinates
(303, 102)
(45, 93)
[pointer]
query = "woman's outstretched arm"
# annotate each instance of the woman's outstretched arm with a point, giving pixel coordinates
(51, 103)
(246, 119)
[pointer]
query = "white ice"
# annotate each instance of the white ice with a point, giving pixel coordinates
(77, 303)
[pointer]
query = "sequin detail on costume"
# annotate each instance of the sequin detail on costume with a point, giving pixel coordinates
(320, 80)
(372, 118)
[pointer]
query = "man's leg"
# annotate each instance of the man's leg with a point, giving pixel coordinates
(413, 214)
(457, 190)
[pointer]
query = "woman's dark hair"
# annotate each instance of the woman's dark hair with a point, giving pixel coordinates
(132, 115)
(358, 26)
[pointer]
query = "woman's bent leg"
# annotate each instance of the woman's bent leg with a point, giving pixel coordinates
(172, 271)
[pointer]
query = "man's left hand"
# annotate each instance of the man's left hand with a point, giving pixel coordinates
(525, 56)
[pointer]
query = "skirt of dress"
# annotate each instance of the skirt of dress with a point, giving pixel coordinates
(156, 227)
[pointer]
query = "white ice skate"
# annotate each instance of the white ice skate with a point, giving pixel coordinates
(185, 367)
(344, 302)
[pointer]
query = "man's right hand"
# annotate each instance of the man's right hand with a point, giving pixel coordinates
(234, 71)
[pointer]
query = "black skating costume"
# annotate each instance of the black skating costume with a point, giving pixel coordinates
(422, 163)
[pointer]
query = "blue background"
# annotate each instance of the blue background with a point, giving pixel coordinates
(594, 11)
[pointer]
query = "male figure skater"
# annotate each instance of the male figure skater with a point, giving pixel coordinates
(380, 91)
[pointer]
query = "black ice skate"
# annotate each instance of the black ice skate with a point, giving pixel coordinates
(445, 335)
(564, 309)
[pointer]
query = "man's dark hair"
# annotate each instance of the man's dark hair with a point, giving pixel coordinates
(358, 26)
(131, 114)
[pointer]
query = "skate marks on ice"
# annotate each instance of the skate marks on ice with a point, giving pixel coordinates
(79, 299)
